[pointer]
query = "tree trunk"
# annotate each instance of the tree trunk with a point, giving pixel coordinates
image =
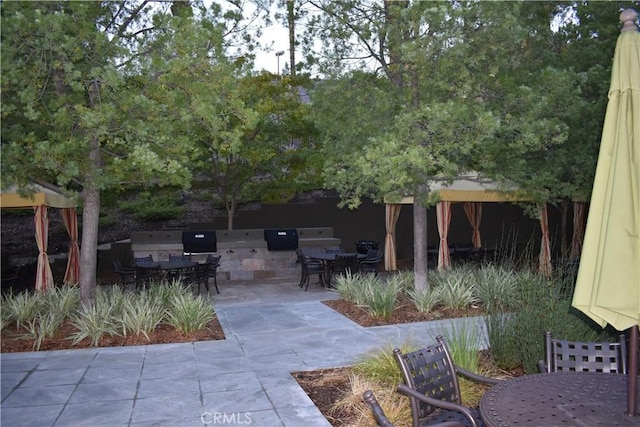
(420, 245)
(292, 36)
(231, 211)
(89, 251)
(90, 212)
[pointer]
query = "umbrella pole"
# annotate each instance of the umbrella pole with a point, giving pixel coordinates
(632, 391)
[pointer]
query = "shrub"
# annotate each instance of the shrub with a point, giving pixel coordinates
(455, 288)
(380, 365)
(495, 287)
(424, 299)
(148, 207)
(380, 297)
(94, 321)
(189, 313)
(352, 287)
(63, 300)
(140, 315)
(463, 341)
(516, 330)
(22, 307)
(406, 280)
(44, 325)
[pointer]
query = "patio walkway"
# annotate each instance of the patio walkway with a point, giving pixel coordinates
(271, 330)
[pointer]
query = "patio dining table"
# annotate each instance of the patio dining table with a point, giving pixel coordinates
(558, 399)
(328, 258)
(165, 270)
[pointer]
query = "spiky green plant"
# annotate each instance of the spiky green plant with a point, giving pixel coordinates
(42, 326)
(94, 321)
(380, 365)
(163, 294)
(189, 313)
(424, 299)
(455, 288)
(379, 297)
(406, 280)
(353, 287)
(63, 300)
(140, 315)
(463, 341)
(496, 287)
(23, 307)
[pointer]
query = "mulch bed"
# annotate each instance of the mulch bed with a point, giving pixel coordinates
(14, 341)
(404, 312)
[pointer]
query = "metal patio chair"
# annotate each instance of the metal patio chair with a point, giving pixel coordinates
(431, 383)
(309, 267)
(563, 355)
(371, 262)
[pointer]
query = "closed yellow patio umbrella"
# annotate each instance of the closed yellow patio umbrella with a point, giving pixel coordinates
(608, 283)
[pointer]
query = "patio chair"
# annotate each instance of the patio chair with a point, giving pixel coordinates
(309, 267)
(431, 383)
(562, 355)
(143, 260)
(371, 262)
(126, 275)
(214, 263)
(383, 421)
(376, 409)
(147, 275)
(179, 258)
(345, 263)
(199, 276)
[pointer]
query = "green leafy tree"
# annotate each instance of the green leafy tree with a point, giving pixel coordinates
(72, 111)
(265, 154)
(482, 85)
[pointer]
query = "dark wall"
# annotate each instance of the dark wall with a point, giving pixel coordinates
(502, 223)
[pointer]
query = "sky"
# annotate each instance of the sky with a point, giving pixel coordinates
(277, 36)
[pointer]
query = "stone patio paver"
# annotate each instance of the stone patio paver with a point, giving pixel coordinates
(271, 330)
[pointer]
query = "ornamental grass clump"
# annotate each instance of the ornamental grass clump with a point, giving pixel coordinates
(94, 321)
(496, 287)
(425, 299)
(22, 308)
(189, 313)
(140, 315)
(43, 325)
(455, 288)
(463, 342)
(378, 370)
(352, 287)
(379, 297)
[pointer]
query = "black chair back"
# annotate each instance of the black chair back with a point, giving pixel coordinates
(563, 355)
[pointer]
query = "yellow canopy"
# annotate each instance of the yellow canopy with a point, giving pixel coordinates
(43, 196)
(468, 187)
(40, 200)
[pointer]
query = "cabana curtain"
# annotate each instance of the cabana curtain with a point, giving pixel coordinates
(545, 246)
(44, 277)
(41, 198)
(473, 190)
(443, 215)
(474, 215)
(579, 210)
(392, 212)
(70, 219)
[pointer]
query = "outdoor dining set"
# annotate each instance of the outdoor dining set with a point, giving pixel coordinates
(331, 263)
(580, 384)
(180, 268)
